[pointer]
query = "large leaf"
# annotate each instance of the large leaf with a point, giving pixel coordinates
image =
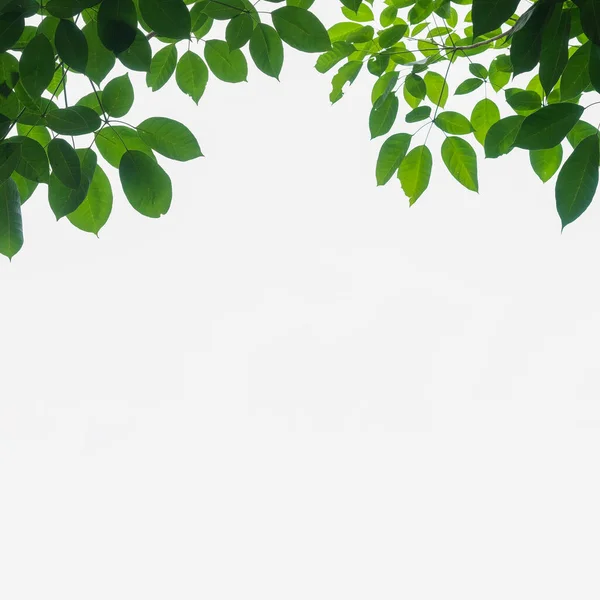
(239, 30)
(460, 159)
(168, 18)
(578, 180)
(169, 138)
(415, 172)
(76, 120)
(11, 225)
(36, 67)
(300, 29)
(33, 162)
(526, 45)
(590, 19)
(146, 185)
(138, 56)
(383, 116)
(501, 136)
(117, 97)
(92, 214)
(162, 67)
(100, 60)
(548, 126)
(112, 142)
(555, 48)
(488, 15)
(117, 24)
(11, 28)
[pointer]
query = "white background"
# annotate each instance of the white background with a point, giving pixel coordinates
(293, 386)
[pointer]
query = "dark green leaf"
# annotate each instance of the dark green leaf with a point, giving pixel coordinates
(239, 30)
(227, 65)
(117, 24)
(501, 136)
(169, 138)
(11, 27)
(33, 162)
(168, 18)
(392, 152)
(117, 97)
(555, 48)
(100, 60)
(77, 120)
(10, 153)
(71, 45)
(138, 56)
(418, 114)
(92, 214)
(36, 66)
(11, 224)
(65, 163)
(488, 15)
(548, 126)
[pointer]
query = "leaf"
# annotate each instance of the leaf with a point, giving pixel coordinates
(239, 30)
(169, 138)
(162, 67)
(468, 86)
(138, 57)
(484, 115)
(100, 60)
(112, 142)
(168, 18)
(65, 163)
(500, 70)
(146, 185)
(415, 86)
(555, 48)
(266, 50)
(437, 88)
(548, 126)
(488, 15)
(33, 162)
(11, 224)
(418, 114)
(192, 75)
(223, 10)
(117, 97)
(362, 15)
(526, 44)
(454, 123)
(391, 154)
(76, 120)
(590, 19)
(10, 153)
(576, 76)
(389, 37)
(415, 172)
(501, 136)
(64, 200)
(11, 28)
(36, 67)
(545, 163)
(227, 65)
(26, 187)
(382, 117)
(577, 181)
(92, 214)
(71, 45)
(346, 74)
(460, 159)
(117, 24)
(300, 29)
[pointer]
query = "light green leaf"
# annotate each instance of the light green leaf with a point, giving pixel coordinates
(169, 138)
(460, 159)
(415, 172)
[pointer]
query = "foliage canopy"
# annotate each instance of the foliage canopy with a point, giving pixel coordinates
(409, 47)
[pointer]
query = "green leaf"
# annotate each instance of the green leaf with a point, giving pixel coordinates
(36, 67)
(346, 74)
(526, 44)
(392, 153)
(10, 154)
(415, 172)
(391, 36)
(92, 214)
(555, 48)
(168, 18)
(223, 10)
(577, 181)
(65, 163)
(328, 60)
(162, 67)
(460, 159)
(11, 28)
(545, 163)
(300, 29)
(362, 35)
(437, 88)
(117, 97)
(500, 70)
(169, 138)
(117, 24)
(484, 115)
(548, 126)
(146, 185)
(468, 86)
(266, 50)
(192, 75)
(77, 120)
(501, 136)
(11, 224)
(582, 130)
(138, 57)
(33, 162)
(64, 200)
(453, 123)
(26, 187)
(590, 19)
(112, 142)
(239, 30)
(418, 114)
(415, 86)
(478, 70)
(227, 65)
(71, 45)
(100, 60)
(362, 15)
(352, 5)
(491, 14)
(576, 77)
(382, 117)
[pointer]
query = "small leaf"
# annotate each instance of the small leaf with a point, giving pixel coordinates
(227, 65)
(92, 214)
(117, 97)
(418, 114)
(545, 163)
(146, 185)
(167, 18)
(453, 123)
(468, 86)
(162, 67)
(501, 136)
(239, 30)
(382, 117)
(192, 75)
(392, 153)
(484, 115)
